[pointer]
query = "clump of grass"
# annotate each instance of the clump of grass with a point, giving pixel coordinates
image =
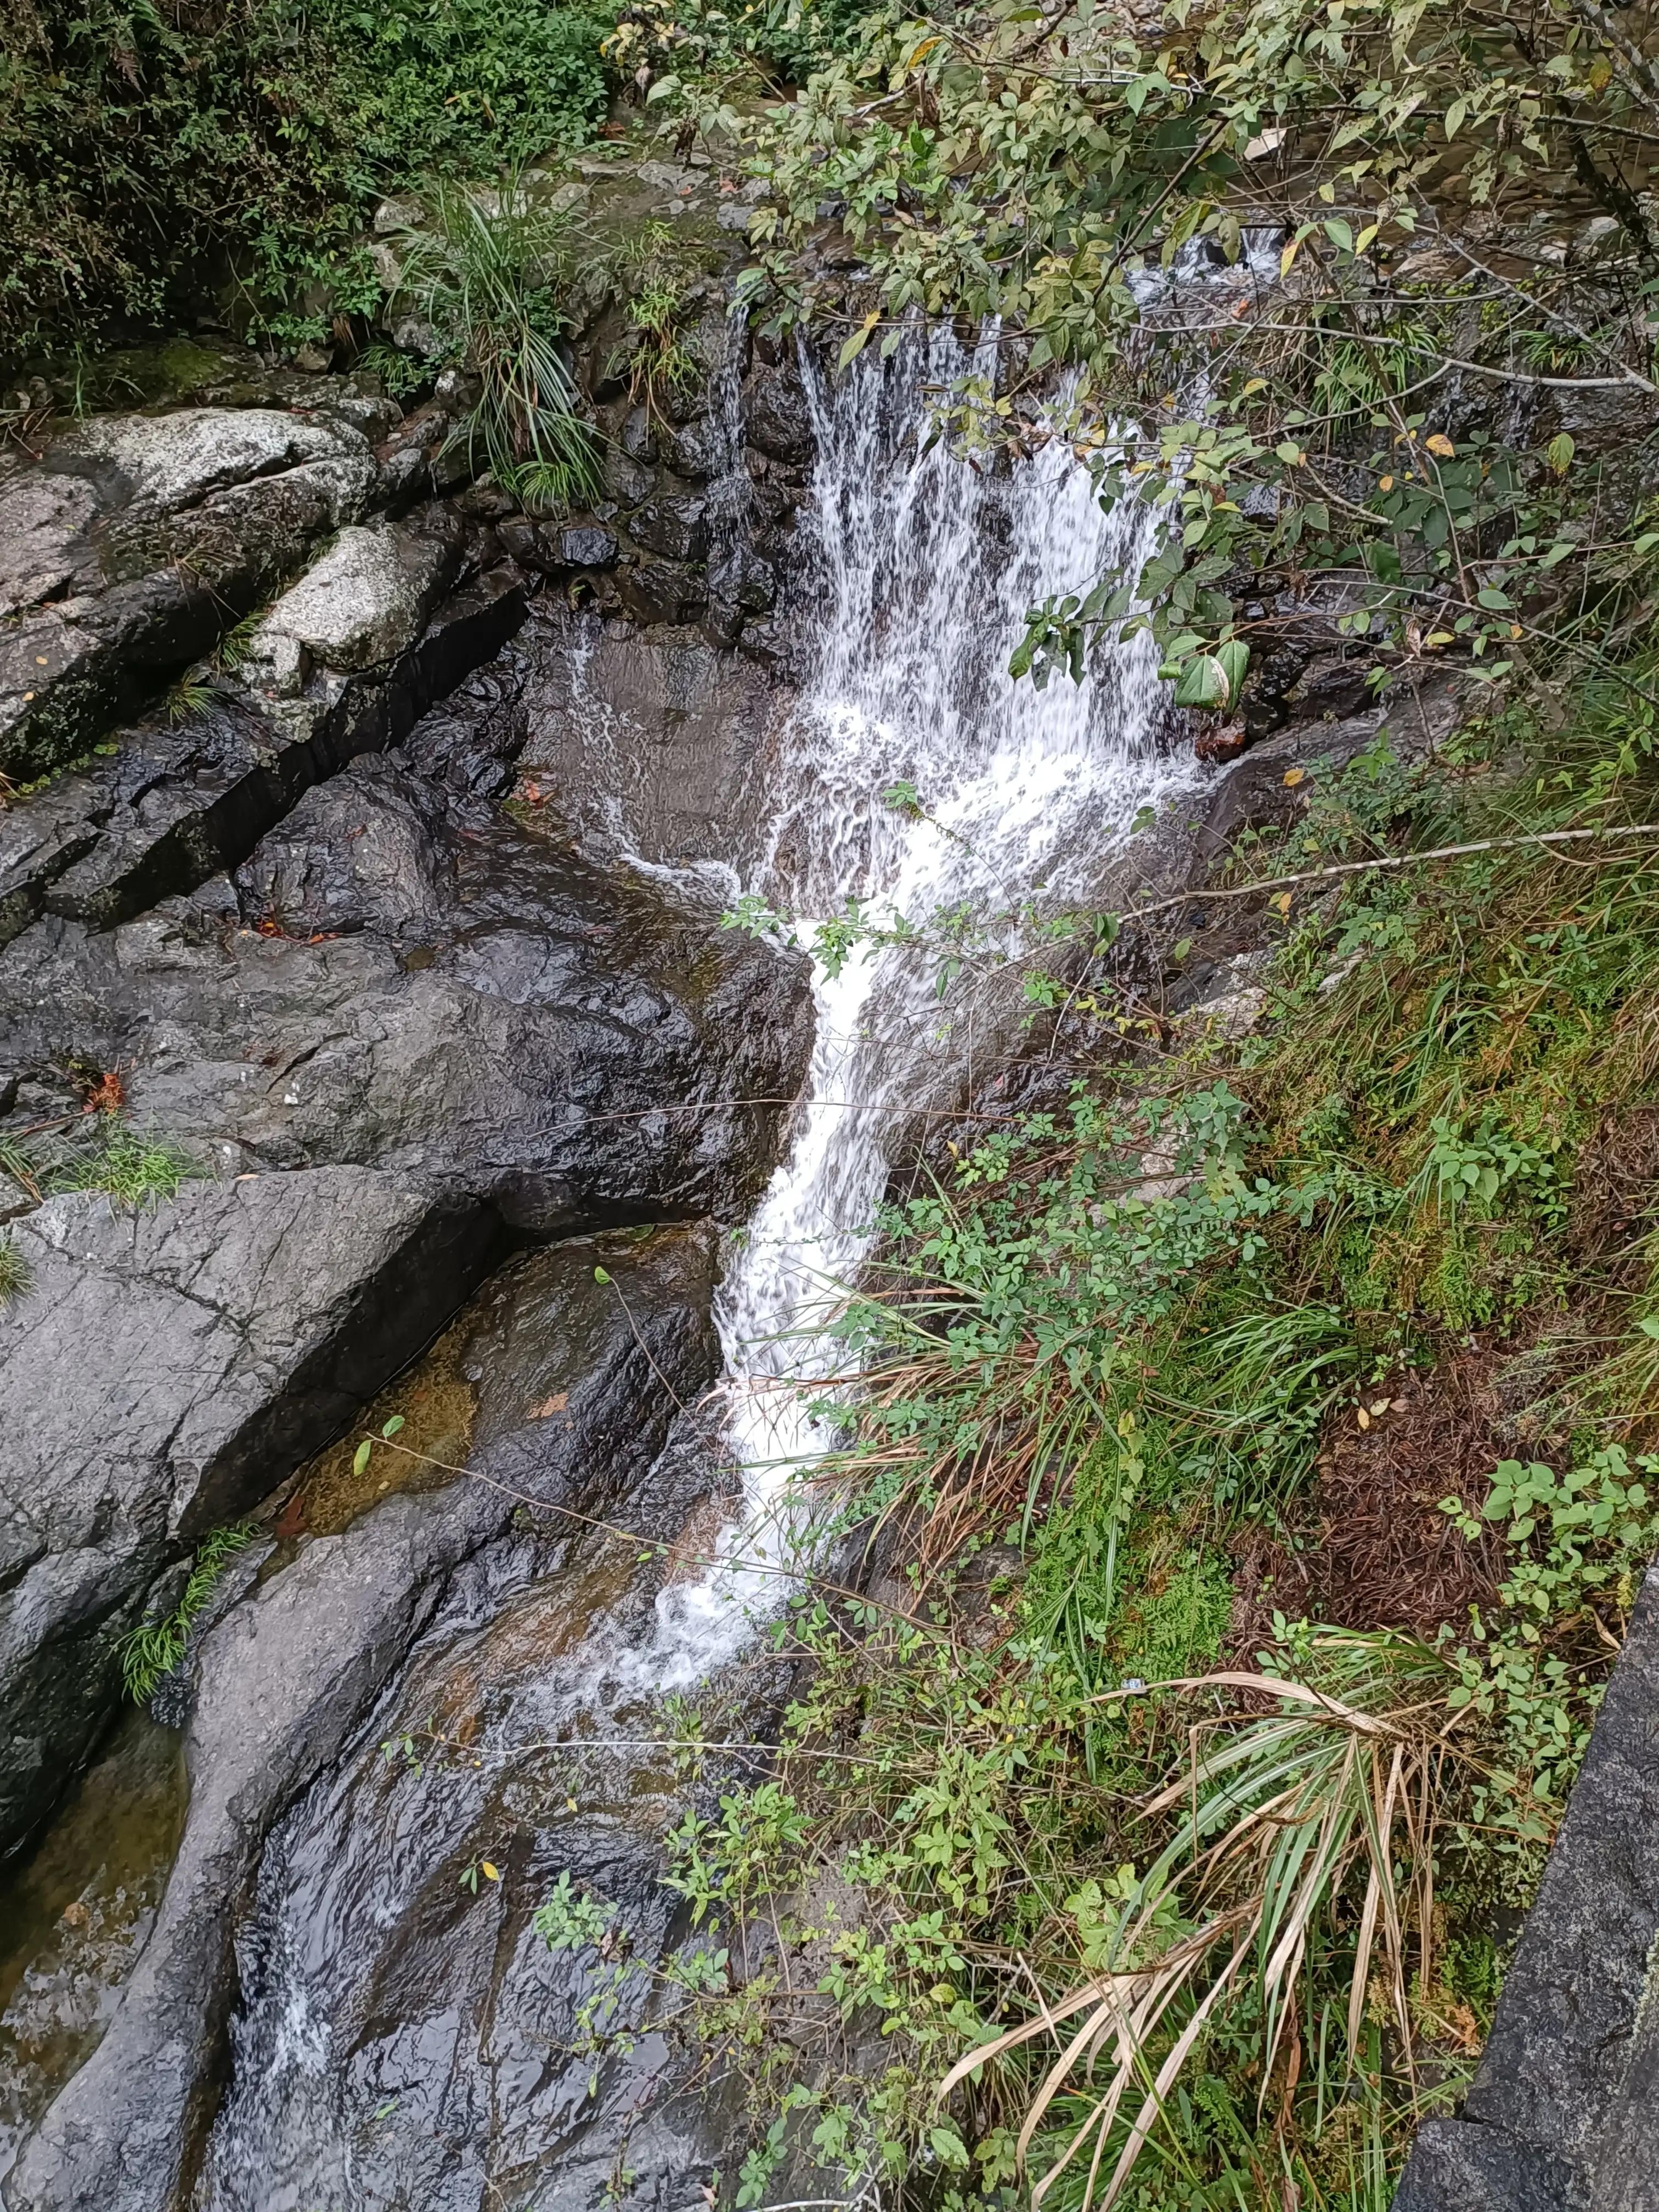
(156, 1646)
(484, 276)
(14, 1273)
(656, 272)
(132, 1168)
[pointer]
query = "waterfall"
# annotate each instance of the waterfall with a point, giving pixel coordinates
(928, 564)
(918, 572)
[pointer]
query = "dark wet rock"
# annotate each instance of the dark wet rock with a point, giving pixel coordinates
(778, 417)
(661, 591)
(670, 730)
(675, 528)
(1560, 2116)
(571, 1047)
(587, 548)
(580, 1379)
(365, 972)
(694, 450)
(175, 803)
(639, 438)
(1334, 684)
(743, 579)
(1253, 793)
(625, 479)
(469, 743)
(162, 1372)
(367, 848)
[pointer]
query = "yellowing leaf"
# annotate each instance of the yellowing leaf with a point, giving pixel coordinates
(1442, 445)
(491, 1872)
(1385, 484)
(1281, 904)
(1364, 1417)
(1295, 776)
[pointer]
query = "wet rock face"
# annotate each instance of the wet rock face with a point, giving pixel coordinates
(127, 547)
(175, 800)
(338, 920)
(579, 1380)
(401, 978)
(660, 734)
(163, 1372)
(407, 1031)
(298, 922)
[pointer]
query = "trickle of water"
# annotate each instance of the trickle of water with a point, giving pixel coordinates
(928, 565)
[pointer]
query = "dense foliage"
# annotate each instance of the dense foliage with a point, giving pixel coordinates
(143, 148)
(1428, 263)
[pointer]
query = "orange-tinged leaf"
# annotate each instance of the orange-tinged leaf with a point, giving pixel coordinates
(1442, 445)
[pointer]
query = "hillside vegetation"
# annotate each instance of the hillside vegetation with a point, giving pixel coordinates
(1264, 1428)
(149, 152)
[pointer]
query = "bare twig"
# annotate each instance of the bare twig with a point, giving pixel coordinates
(1388, 860)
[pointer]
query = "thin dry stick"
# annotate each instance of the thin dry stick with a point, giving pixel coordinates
(1204, 896)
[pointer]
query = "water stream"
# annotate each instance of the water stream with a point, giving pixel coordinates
(925, 567)
(400, 2041)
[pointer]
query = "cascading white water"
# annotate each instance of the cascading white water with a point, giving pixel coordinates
(929, 565)
(925, 569)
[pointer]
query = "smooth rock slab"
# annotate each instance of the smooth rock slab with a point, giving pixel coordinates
(163, 1371)
(578, 1391)
(362, 603)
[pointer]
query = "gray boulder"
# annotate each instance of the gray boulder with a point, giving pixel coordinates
(577, 1381)
(164, 1370)
(125, 550)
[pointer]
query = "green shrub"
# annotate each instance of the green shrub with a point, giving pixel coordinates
(485, 278)
(144, 149)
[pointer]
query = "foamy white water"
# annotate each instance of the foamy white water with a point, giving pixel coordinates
(929, 566)
(927, 569)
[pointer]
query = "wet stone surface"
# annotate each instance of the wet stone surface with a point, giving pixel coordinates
(356, 1963)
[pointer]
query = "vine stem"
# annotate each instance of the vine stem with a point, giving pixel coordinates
(1388, 860)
